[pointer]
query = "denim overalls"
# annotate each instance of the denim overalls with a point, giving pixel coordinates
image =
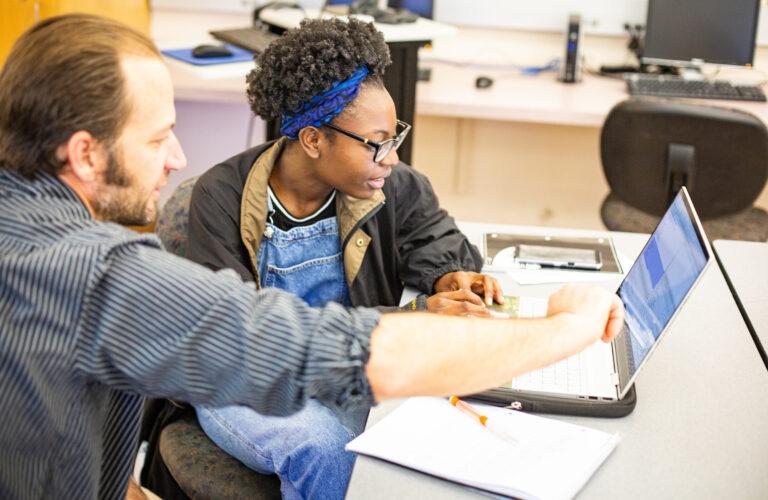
(306, 261)
(306, 449)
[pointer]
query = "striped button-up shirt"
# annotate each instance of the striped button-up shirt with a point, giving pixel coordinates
(94, 316)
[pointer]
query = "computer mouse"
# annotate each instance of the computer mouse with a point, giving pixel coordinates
(483, 82)
(210, 51)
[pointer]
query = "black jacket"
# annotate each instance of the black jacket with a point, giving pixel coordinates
(399, 237)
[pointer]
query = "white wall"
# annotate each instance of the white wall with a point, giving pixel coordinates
(244, 6)
(605, 17)
(209, 133)
(600, 16)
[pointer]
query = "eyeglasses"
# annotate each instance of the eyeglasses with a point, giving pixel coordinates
(380, 149)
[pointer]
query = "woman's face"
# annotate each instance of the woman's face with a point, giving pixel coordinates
(347, 164)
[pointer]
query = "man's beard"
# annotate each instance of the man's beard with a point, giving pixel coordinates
(119, 201)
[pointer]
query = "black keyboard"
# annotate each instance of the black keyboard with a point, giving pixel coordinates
(670, 86)
(255, 40)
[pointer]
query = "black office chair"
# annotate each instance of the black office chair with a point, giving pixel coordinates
(650, 148)
(198, 468)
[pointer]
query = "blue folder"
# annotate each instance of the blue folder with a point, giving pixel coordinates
(238, 55)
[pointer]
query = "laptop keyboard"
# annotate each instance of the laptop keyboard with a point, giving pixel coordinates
(563, 376)
(517, 307)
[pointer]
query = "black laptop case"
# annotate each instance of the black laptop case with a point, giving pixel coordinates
(530, 402)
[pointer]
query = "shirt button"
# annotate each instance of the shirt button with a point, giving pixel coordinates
(360, 242)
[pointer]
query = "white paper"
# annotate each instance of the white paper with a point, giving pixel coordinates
(526, 456)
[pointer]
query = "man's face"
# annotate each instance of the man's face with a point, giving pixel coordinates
(138, 163)
(350, 167)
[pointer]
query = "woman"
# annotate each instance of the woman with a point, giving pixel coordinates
(326, 212)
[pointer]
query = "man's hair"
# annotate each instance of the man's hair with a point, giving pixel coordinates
(307, 61)
(63, 75)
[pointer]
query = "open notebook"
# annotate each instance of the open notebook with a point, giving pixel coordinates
(539, 458)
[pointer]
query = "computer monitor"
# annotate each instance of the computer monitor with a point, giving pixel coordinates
(424, 8)
(689, 33)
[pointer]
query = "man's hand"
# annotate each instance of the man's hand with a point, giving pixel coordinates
(457, 303)
(594, 310)
(482, 284)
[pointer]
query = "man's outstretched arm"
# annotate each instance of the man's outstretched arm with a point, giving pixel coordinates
(424, 354)
(163, 326)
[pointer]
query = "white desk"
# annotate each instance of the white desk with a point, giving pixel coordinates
(698, 431)
(542, 98)
(537, 99)
(173, 29)
(451, 91)
(745, 265)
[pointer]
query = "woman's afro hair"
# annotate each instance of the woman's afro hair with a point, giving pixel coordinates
(306, 62)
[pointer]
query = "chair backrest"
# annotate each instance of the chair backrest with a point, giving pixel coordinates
(649, 148)
(173, 221)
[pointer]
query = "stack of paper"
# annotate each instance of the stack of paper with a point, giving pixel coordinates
(533, 457)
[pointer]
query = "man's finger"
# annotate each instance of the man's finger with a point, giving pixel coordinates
(615, 320)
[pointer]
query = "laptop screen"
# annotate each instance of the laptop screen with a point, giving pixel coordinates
(660, 279)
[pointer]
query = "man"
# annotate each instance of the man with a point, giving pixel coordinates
(94, 316)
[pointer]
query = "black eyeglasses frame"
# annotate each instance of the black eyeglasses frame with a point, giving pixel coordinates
(378, 147)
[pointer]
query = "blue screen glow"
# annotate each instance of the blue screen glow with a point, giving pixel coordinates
(660, 279)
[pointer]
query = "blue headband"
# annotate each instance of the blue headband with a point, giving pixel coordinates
(323, 108)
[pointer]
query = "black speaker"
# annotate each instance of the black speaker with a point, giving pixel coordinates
(570, 70)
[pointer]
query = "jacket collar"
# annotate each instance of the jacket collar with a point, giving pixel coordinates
(253, 207)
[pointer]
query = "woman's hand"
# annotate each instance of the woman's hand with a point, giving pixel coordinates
(483, 285)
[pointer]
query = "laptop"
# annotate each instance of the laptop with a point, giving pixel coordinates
(599, 381)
